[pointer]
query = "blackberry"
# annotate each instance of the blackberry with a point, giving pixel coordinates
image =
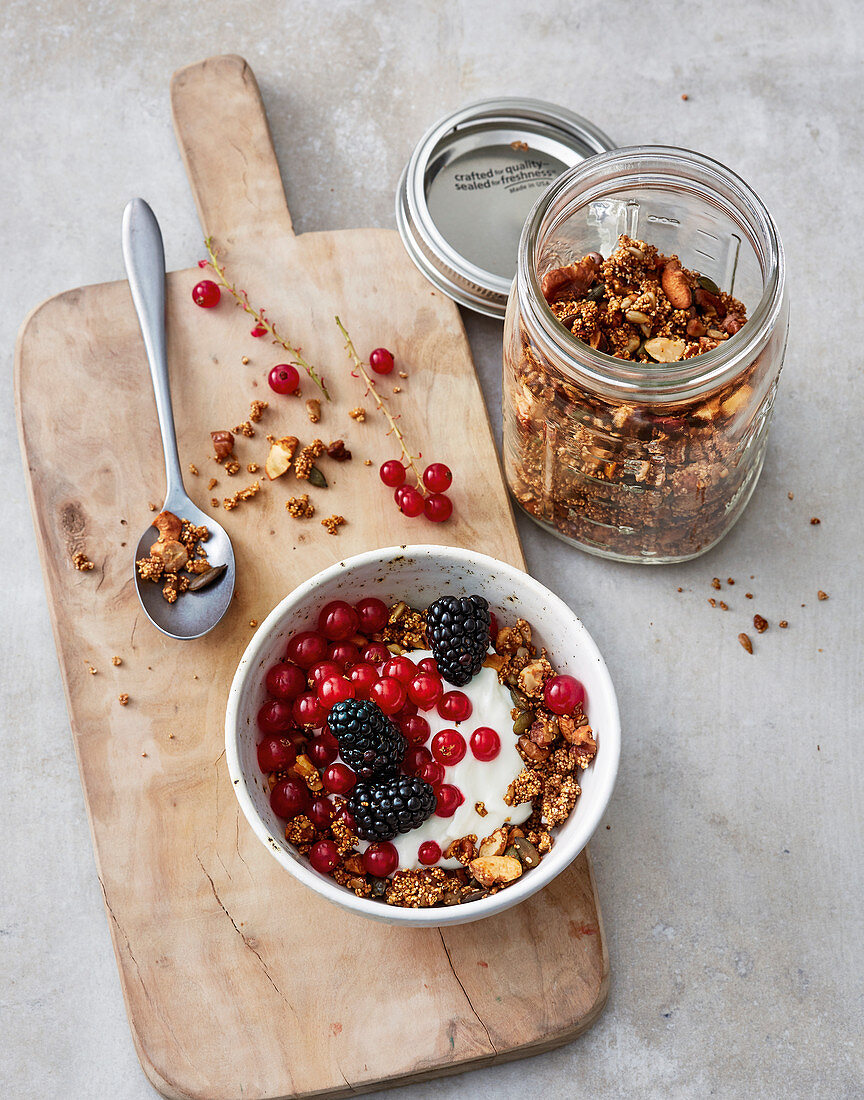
(458, 631)
(368, 741)
(384, 807)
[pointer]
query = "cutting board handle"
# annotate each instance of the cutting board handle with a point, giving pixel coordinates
(225, 142)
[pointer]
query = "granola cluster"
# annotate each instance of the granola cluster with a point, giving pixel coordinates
(629, 478)
(178, 557)
(554, 749)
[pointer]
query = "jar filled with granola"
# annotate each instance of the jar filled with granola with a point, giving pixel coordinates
(644, 338)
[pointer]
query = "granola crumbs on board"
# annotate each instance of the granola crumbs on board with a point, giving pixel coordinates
(230, 503)
(116, 661)
(123, 699)
(300, 507)
(333, 523)
(256, 410)
(82, 562)
(358, 414)
(193, 469)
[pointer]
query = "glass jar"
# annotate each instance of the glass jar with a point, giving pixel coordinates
(647, 462)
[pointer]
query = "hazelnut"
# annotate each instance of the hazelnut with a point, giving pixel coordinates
(169, 526)
(173, 555)
(223, 444)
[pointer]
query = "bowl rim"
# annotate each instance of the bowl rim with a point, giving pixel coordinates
(552, 864)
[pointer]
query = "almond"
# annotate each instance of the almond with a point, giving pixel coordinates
(280, 456)
(173, 555)
(665, 350)
(493, 870)
(494, 845)
(675, 287)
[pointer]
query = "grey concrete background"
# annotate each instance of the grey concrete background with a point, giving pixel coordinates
(729, 864)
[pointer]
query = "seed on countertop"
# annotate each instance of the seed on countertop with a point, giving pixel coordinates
(745, 641)
(724, 606)
(748, 595)
(729, 580)
(715, 582)
(712, 601)
(760, 623)
(782, 624)
(316, 478)
(815, 521)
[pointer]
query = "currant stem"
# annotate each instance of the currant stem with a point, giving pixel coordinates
(242, 299)
(408, 458)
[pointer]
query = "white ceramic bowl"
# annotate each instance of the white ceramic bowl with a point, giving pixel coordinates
(419, 574)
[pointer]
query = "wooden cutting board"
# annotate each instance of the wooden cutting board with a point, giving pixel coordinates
(237, 981)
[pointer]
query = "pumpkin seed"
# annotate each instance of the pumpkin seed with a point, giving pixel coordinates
(596, 292)
(203, 579)
(520, 699)
(708, 284)
(474, 895)
(316, 478)
(528, 854)
(523, 723)
(513, 853)
(395, 648)
(379, 887)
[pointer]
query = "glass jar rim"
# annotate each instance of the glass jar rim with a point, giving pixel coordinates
(662, 166)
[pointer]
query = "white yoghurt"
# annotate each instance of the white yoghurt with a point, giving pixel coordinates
(479, 781)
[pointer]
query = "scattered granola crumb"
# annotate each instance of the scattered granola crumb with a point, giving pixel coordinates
(232, 467)
(403, 373)
(153, 507)
(252, 468)
(306, 459)
(245, 429)
(300, 507)
(782, 624)
(715, 582)
(256, 410)
(123, 699)
(245, 360)
(333, 523)
(313, 410)
(480, 807)
(93, 671)
(745, 641)
(171, 735)
(82, 562)
(815, 521)
(193, 469)
(791, 496)
(822, 595)
(230, 503)
(729, 580)
(748, 595)
(211, 484)
(143, 753)
(116, 661)
(723, 606)
(397, 389)
(358, 414)
(367, 461)
(760, 623)
(680, 589)
(253, 623)
(684, 96)
(214, 502)
(712, 601)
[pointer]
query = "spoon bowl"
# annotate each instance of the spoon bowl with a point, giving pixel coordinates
(193, 613)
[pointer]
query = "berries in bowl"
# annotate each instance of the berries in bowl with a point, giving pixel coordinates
(423, 735)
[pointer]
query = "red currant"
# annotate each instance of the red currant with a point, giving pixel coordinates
(324, 855)
(400, 668)
(448, 747)
(415, 729)
(432, 773)
(416, 758)
(344, 654)
(284, 378)
(347, 818)
(376, 653)
(275, 716)
(306, 648)
(429, 664)
(381, 859)
(425, 690)
(203, 263)
(320, 813)
(372, 613)
(455, 706)
(206, 294)
(338, 620)
(275, 753)
(429, 852)
(338, 779)
(410, 501)
(308, 711)
(259, 330)
(322, 671)
(437, 477)
(407, 710)
(285, 681)
(289, 798)
(381, 361)
(363, 676)
(333, 690)
(485, 743)
(437, 508)
(392, 473)
(448, 800)
(563, 694)
(323, 750)
(389, 694)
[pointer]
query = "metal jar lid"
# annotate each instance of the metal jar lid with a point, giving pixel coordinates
(471, 183)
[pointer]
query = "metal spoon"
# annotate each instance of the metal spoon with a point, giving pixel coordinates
(194, 613)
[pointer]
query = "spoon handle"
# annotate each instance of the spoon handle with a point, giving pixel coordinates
(144, 257)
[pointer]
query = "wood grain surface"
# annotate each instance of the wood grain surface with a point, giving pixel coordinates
(237, 981)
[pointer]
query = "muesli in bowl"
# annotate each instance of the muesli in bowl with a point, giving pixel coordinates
(418, 757)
